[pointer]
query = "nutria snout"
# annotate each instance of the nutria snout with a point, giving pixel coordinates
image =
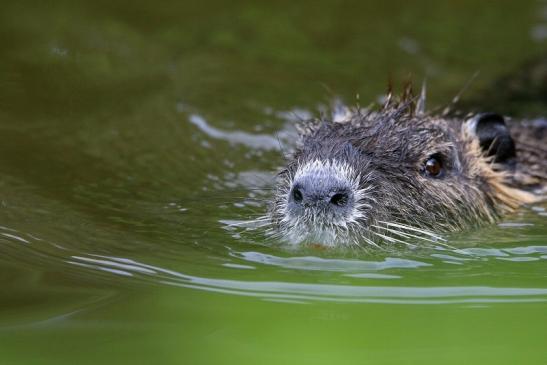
(401, 175)
(322, 191)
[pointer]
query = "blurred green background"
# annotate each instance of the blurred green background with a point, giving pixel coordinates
(132, 132)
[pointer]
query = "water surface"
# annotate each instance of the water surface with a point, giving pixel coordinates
(133, 135)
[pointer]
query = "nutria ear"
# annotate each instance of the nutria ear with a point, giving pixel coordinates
(494, 136)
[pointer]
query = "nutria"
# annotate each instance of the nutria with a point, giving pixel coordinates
(402, 175)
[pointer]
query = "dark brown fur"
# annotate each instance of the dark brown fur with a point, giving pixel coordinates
(531, 143)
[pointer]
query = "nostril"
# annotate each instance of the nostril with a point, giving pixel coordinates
(339, 199)
(297, 195)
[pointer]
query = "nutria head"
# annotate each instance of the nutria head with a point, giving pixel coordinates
(397, 175)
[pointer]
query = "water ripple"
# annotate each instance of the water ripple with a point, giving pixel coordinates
(322, 264)
(309, 292)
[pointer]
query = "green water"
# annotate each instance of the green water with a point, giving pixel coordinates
(132, 134)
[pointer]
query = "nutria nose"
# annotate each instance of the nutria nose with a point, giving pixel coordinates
(322, 191)
(339, 198)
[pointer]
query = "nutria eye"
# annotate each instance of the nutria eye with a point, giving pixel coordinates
(433, 166)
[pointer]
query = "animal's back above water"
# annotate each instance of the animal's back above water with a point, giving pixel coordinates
(398, 175)
(531, 152)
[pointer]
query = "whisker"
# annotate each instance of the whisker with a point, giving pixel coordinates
(391, 239)
(372, 243)
(405, 234)
(410, 228)
(436, 241)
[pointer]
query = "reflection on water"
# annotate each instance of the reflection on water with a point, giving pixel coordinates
(306, 292)
(365, 273)
(318, 263)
